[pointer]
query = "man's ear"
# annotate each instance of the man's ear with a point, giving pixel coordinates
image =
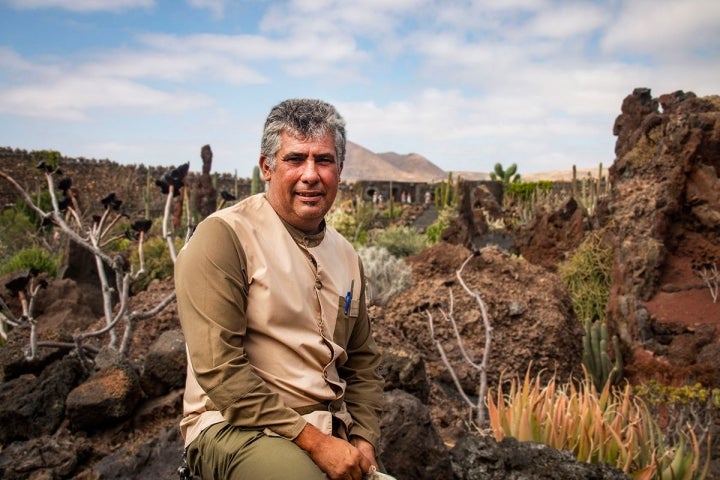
(264, 169)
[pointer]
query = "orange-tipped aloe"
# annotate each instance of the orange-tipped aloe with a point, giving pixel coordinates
(611, 426)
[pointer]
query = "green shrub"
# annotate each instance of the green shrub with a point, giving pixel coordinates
(158, 264)
(351, 220)
(16, 227)
(587, 277)
(31, 259)
(445, 217)
(689, 406)
(524, 191)
(400, 241)
(385, 274)
(341, 218)
(391, 212)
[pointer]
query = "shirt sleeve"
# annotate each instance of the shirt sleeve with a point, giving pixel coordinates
(212, 288)
(364, 389)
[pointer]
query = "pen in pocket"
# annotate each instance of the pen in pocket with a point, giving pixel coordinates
(348, 297)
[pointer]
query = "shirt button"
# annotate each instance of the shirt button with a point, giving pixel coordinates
(318, 284)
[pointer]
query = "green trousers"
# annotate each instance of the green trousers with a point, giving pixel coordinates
(224, 452)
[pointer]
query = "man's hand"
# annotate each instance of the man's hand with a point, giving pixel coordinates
(337, 458)
(365, 448)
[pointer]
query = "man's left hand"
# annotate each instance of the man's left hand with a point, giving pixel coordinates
(365, 448)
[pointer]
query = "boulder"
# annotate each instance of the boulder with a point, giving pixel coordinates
(410, 446)
(529, 310)
(405, 370)
(477, 457)
(551, 235)
(32, 406)
(109, 396)
(44, 457)
(158, 458)
(165, 364)
(61, 309)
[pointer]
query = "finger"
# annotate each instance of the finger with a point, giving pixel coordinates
(365, 464)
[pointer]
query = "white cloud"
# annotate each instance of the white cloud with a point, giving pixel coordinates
(664, 27)
(192, 66)
(70, 98)
(14, 65)
(216, 7)
(339, 48)
(82, 5)
(566, 21)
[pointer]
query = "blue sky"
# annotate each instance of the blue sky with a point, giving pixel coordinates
(464, 83)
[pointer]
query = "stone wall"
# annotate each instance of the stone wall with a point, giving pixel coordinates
(94, 179)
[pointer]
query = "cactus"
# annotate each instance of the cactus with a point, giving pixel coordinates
(595, 355)
(447, 193)
(499, 174)
(147, 195)
(573, 183)
(391, 202)
(256, 182)
(456, 191)
(591, 190)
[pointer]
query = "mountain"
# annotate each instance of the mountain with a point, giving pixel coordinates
(362, 164)
(418, 166)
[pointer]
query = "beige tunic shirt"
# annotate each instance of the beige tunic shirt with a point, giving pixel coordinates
(263, 310)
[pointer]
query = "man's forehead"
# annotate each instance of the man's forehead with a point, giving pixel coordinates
(292, 141)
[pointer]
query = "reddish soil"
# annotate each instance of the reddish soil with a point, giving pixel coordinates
(683, 297)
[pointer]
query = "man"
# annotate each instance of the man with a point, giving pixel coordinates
(282, 372)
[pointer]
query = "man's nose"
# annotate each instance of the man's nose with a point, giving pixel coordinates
(310, 173)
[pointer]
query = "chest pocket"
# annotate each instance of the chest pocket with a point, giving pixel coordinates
(345, 323)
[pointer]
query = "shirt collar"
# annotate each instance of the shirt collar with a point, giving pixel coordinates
(309, 240)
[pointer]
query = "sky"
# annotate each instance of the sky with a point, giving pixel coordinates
(467, 84)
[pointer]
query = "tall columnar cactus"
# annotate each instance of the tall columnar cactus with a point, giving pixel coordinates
(147, 196)
(446, 194)
(595, 355)
(448, 190)
(456, 191)
(256, 182)
(590, 190)
(391, 201)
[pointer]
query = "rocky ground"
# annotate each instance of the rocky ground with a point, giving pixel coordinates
(424, 418)
(661, 215)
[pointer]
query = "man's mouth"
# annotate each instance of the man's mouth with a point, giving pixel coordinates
(309, 195)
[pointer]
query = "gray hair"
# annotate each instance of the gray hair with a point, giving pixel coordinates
(307, 119)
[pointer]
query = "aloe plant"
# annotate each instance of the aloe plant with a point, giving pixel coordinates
(611, 426)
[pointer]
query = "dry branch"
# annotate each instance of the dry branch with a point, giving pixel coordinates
(479, 406)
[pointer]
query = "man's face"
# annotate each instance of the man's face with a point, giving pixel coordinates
(303, 186)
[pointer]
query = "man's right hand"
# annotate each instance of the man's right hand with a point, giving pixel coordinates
(336, 457)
